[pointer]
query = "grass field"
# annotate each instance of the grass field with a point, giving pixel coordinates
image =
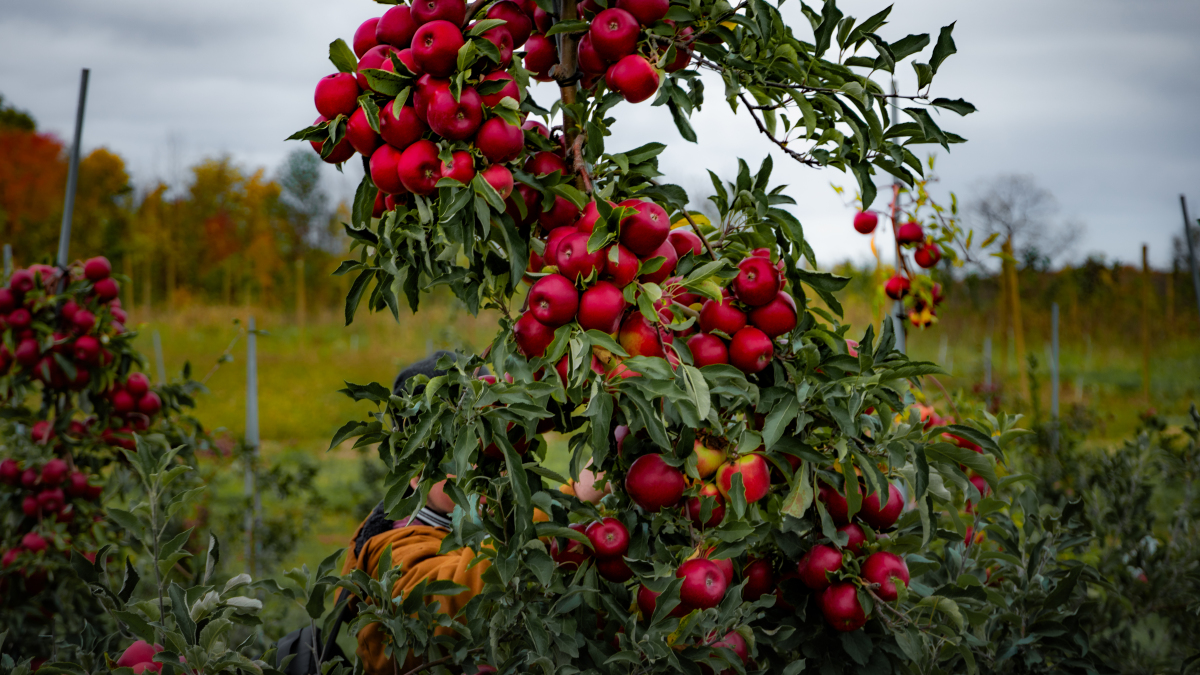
(301, 369)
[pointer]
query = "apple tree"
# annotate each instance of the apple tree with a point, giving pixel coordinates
(748, 487)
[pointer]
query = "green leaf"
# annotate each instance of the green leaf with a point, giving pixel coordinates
(681, 122)
(568, 27)
(944, 47)
(179, 608)
(909, 45)
(342, 57)
(129, 583)
(957, 105)
(214, 556)
(356, 293)
(605, 341)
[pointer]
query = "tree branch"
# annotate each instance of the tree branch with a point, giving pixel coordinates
(807, 161)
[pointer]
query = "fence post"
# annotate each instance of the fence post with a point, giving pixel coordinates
(64, 234)
(1187, 236)
(159, 368)
(1146, 322)
(251, 443)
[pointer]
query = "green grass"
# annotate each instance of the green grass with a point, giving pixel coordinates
(300, 371)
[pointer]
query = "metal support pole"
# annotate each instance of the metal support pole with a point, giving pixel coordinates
(252, 443)
(159, 368)
(1187, 236)
(64, 234)
(987, 362)
(7, 259)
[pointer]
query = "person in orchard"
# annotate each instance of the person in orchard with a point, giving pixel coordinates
(416, 541)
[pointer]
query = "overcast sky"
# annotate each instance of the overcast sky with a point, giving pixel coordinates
(1097, 99)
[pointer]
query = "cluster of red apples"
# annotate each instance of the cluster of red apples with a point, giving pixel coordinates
(45, 493)
(476, 122)
(926, 254)
(588, 286)
(57, 340)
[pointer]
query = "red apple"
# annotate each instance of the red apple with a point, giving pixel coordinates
(910, 233)
(97, 268)
(509, 90)
(435, 45)
(757, 282)
(648, 599)
(137, 384)
(504, 44)
(536, 127)
(686, 241)
(364, 37)
(777, 317)
(423, 91)
(760, 579)
(653, 484)
(882, 518)
(647, 12)
(703, 583)
(896, 287)
(400, 131)
(375, 57)
(27, 352)
(419, 167)
(639, 337)
(614, 34)
(360, 134)
(532, 336)
(453, 12)
(928, 255)
(633, 77)
(589, 60)
(707, 350)
(396, 27)
(736, 643)
(517, 22)
(84, 320)
(500, 141)
(336, 94)
(708, 460)
(562, 213)
(816, 565)
(722, 316)
(643, 231)
(50, 501)
(553, 241)
(609, 538)
(835, 504)
(755, 473)
(455, 120)
(384, 165)
(500, 178)
(884, 568)
(541, 55)
(588, 217)
(621, 266)
(340, 153)
(10, 471)
(601, 307)
(573, 259)
(614, 569)
(106, 289)
(545, 163)
(531, 198)
(857, 538)
(693, 507)
(55, 471)
(575, 553)
(751, 350)
(553, 300)
(670, 260)
(461, 167)
(865, 221)
(839, 603)
(34, 542)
